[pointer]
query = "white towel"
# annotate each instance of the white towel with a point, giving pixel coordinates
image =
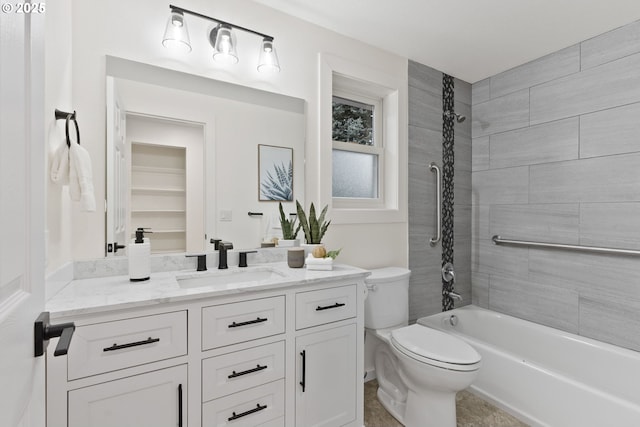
(59, 170)
(81, 177)
(271, 227)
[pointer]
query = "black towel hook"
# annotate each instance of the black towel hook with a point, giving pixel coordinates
(63, 115)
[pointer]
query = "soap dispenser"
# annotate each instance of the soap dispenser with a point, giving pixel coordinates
(140, 256)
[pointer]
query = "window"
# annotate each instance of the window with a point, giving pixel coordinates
(363, 146)
(357, 151)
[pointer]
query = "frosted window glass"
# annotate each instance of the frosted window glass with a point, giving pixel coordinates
(355, 174)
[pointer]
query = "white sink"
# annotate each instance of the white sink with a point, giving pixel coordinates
(226, 279)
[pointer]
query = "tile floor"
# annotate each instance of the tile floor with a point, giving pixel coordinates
(472, 411)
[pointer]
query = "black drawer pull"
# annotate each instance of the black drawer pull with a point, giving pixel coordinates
(131, 344)
(248, 322)
(249, 412)
(327, 307)
(248, 371)
(303, 383)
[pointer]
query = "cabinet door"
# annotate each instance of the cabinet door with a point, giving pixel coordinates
(154, 399)
(326, 385)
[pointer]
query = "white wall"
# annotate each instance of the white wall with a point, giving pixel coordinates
(58, 94)
(133, 30)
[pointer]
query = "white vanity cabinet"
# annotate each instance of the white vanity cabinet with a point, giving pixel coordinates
(288, 356)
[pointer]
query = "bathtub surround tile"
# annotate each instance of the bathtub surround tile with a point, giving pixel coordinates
(531, 301)
(548, 180)
(480, 220)
(462, 186)
(547, 68)
(481, 91)
(613, 275)
(425, 109)
(462, 128)
(425, 146)
(613, 131)
(463, 153)
(555, 223)
(501, 114)
(610, 85)
(604, 179)
(610, 225)
(480, 153)
(501, 186)
(425, 78)
(614, 322)
(422, 196)
(463, 91)
(611, 45)
(548, 142)
(480, 289)
(496, 259)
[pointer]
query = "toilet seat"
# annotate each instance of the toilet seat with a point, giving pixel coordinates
(435, 348)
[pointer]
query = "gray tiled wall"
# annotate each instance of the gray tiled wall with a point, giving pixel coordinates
(425, 146)
(556, 157)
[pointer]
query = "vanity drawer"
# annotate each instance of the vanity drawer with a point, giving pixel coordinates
(233, 372)
(242, 321)
(109, 346)
(258, 406)
(325, 305)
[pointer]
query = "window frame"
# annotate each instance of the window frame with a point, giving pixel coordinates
(390, 86)
(376, 149)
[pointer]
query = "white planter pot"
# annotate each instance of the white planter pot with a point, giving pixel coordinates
(288, 243)
(308, 248)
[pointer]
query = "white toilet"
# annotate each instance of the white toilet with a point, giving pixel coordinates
(419, 369)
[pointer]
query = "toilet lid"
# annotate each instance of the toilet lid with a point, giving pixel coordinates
(422, 342)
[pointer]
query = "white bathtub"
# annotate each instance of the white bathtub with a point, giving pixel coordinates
(548, 377)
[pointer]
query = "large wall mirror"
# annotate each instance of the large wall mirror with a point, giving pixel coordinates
(182, 157)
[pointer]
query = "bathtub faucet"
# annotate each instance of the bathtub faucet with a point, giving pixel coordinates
(455, 296)
(447, 273)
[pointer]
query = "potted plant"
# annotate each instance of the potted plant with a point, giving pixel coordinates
(313, 226)
(289, 230)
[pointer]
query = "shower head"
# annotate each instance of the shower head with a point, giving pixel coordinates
(459, 117)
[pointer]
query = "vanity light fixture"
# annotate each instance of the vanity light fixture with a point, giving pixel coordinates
(222, 38)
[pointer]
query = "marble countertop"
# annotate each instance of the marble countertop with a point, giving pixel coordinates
(95, 295)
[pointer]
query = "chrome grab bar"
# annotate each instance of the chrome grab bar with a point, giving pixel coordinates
(434, 168)
(500, 241)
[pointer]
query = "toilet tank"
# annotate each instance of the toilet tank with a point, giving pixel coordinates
(387, 303)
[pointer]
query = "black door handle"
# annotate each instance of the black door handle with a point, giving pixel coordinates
(43, 331)
(327, 307)
(249, 412)
(248, 322)
(179, 405)
(303, 383)
(235, 374)
(131, 344)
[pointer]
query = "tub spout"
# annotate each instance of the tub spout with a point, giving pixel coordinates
(455, 296)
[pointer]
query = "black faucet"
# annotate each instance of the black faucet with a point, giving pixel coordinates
(243, 258)
(223, 247)
(202, 261)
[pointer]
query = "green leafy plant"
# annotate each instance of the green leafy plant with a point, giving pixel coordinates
(278, 184)
(333, 254)
(313, 227)
(289, 230)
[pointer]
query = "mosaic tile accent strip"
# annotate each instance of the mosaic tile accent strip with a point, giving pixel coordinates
(447, 183)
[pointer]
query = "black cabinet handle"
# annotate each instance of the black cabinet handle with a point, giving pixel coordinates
(248, 371)
(248, 322)
(327, 307)
(303, 383)
(249, 412)
(131, 344)
(179, 405)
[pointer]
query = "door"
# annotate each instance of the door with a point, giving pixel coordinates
(117, 171)
(22, 207)
(326, 367)
(154, 399)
